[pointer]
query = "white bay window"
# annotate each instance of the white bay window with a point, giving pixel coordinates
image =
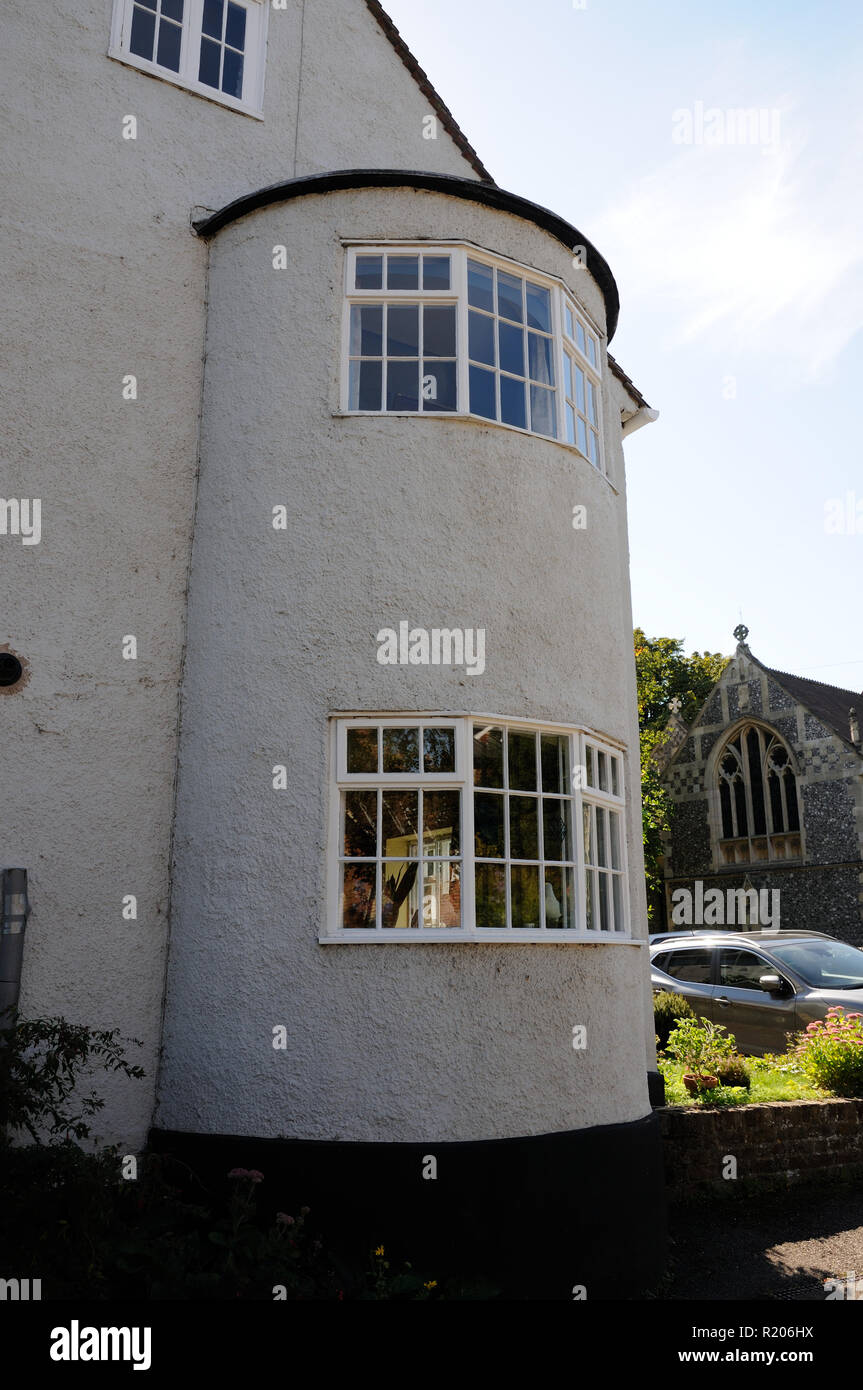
(474, 829)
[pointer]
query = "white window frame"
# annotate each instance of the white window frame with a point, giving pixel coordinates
(254, 58)
(461, 252)
(597, 798)
(341, 781)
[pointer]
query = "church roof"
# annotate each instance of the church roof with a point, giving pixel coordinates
(829, 703)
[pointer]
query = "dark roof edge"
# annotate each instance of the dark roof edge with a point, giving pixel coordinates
(447, 119)
(471, 190)
(810, 680)
(627, 382)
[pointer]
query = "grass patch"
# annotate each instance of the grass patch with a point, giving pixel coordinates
(772, 1078)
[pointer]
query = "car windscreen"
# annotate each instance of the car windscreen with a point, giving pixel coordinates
(823, 964)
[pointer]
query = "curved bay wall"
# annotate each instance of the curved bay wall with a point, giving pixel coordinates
(446, 523)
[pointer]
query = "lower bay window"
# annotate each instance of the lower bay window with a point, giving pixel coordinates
(475, 829)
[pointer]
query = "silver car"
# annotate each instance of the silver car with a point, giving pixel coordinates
(760, 985)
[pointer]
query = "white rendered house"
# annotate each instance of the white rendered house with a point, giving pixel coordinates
(350, 834)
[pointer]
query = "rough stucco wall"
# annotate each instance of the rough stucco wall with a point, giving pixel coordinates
(443, 522)
(104, 278)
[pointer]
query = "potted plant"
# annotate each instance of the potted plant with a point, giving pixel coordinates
(700, 1046)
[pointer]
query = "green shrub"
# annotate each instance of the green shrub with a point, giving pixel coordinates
(733, 1071)
(700, 1046)
(667, 1009)
(830, 1052)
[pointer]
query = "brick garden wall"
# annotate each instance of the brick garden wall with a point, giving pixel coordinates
(776, 1146)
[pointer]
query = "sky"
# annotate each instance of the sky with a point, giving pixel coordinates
(740, 269)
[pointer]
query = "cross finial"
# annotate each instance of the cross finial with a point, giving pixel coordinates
(741, 632)
(675, 705)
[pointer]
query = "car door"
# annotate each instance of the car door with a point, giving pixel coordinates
(758, 1020)
(691, 972)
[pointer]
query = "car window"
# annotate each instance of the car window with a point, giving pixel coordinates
(692, 965)
(824, 964)
(660, 960)
(742, 969)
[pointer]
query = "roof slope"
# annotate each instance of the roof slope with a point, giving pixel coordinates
(445, 116)
(829, 703)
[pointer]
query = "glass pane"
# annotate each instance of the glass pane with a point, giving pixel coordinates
(143, 33)
(441, 905)
(480, 285)
(589, 899)
(591, 403)
(232, 74)
(439, 330)
(362, 750)
(403, 330)
(439, 750)
(482, 393)
(593, 447)
(579, 389)
(554, 762)
(604, 904)
(589, 763)
(488, 811)
(542, 419)
(440, 385)
(490, 895)
(580, 435)
(617, 898)
(615, 781)
(567, 375)
(509, 304)
(441, 823)
(399, 824)
(512, 402)
(570, 425)
(171, 9)
(481, 338)
(367, 328)
(538, 307)
(603, 772)
(557, 829)
(524, 890)
(522, 761)
(403, 392)
(591, 351)
(168, 52)
(403, 273)
(511, 344)
(588, 833)
(614, 838)
(601, 839)
(399, 895)
(149, 4)
(540, 359)
(370, 272)
(523, 827)
(366, 380)
(568, 321)
(213, 13)
(579, 335)
(436, 273)
(559, 900)
(487, 756)
(211, 54)
(401, 750)
(361, 824)
(358, 895)
(235, 30)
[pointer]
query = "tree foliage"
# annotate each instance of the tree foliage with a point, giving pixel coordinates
(662, 671)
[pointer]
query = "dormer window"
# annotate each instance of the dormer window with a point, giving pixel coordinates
(213, 47)
(451, 330)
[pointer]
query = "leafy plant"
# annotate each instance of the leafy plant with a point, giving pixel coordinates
(733, 1072)
(42, 1063)
(667, 1009)
(830, 1052)
(700, 1046)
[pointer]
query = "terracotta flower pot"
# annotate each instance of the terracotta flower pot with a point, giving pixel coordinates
(695, 1082)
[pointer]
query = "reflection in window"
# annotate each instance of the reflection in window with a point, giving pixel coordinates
(511, 349)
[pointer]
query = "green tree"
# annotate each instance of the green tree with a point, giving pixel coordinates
(662, 672)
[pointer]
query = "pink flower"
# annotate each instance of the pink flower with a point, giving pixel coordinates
(283, 1219)
(239, 1173)
(254, 1176)
(812, 1027)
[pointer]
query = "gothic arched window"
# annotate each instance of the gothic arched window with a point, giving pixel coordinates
(759, 808)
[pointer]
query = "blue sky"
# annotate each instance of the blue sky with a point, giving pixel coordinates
(740, 268)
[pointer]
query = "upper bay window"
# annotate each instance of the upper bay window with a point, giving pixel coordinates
(479, 829)
(213, 47)
(447, 329)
